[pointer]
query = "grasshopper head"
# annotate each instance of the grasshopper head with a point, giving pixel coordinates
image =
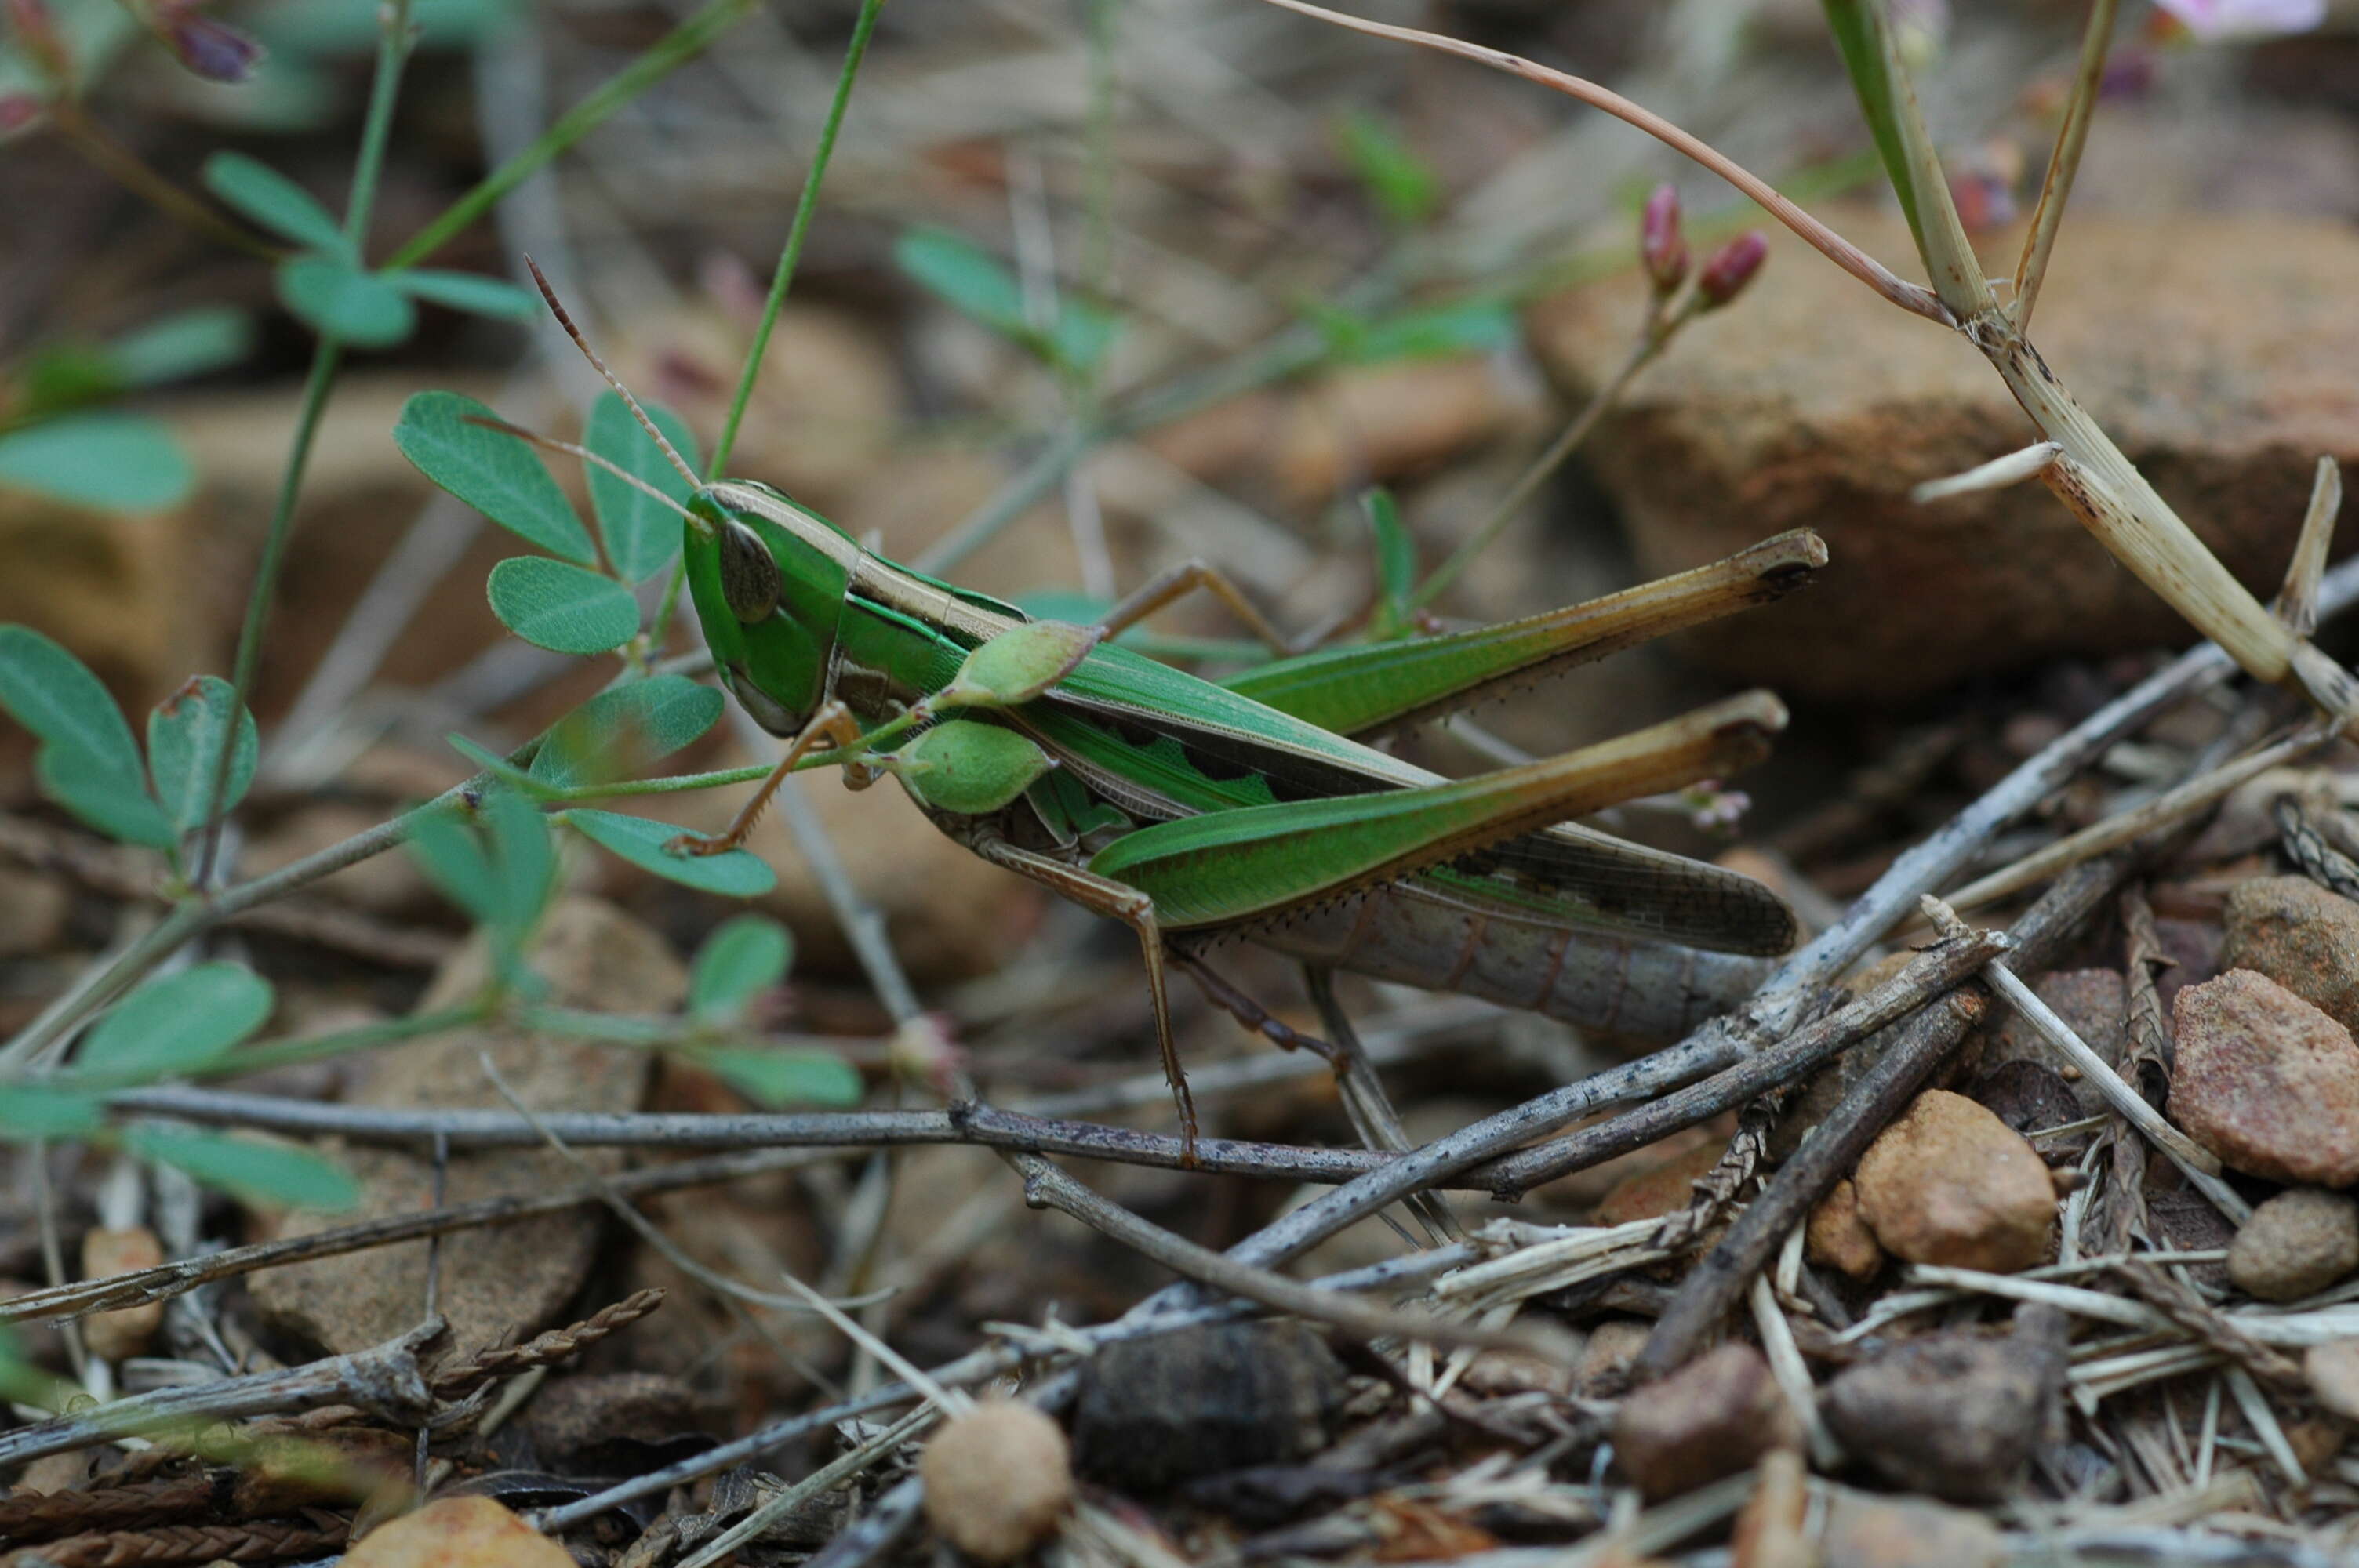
(768, 580)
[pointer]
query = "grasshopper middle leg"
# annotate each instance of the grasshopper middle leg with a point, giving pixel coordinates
(1118, 901)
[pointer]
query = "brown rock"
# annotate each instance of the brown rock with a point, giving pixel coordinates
(1496, 1374)
(1605, 1359)
(2193, 948)
(510, 1278)
(1649, 1195)
(2300, 935)
(2332, 1369)
(1154, 1413)
(1711, 1418)
(997, 1479)
(2095, 1003)
(1865, 1531)
(32, 913)
(457, 1532)
(114, 589)
(1954, 1413)
(575, 1416)
(824, 408)
(2233, 382)
(1948, 1182)
(111, 1336)
(2266, 1081)
(1837, 1238)
(2295, 1245)
(2030, 1098)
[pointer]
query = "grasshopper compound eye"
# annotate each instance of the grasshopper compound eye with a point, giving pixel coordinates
(749, 574)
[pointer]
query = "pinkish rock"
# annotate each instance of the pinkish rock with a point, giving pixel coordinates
(2266, 1081)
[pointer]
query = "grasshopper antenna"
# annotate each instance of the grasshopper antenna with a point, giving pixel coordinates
(551, 443)
(565, 320)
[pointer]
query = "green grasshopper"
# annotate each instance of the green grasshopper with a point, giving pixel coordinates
(1193, 811)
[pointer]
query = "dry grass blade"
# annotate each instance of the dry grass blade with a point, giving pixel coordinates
(1841, 252)
(2056, 185)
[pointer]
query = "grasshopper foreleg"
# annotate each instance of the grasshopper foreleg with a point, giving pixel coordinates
(1116, 901)
(833, 724)
(1175, 582)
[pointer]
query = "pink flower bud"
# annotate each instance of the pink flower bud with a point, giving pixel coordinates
(18, 110)
(1662, 248)
(212, 50)
(36, 31)
(1731, 267)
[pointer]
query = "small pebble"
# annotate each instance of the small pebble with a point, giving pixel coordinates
(111, 1336)
(2296, 1244)
(2266, 1081)
(2332, 1369)
(1837, 1238)
(2299, 934)
(1154, 1413)
(1711, 1418)
(1605, 1365)
(1867, 1531)
(997, 1480)
(1951, 1184)
(457, 1532)
(1954, 1413)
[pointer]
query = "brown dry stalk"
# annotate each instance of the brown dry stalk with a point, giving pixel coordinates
(132, 874)
(43, 1516)
(463, 1377)
(254, 1541)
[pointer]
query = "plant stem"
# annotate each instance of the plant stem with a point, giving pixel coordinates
(792, 251)
(325, 357)
(131, 172)
(395, 38)
(2056, 187)
(1650, 343)
(1910, 297)
(669, 53)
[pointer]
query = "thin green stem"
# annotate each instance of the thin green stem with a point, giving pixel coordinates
(676, 783)
(1650, 343)
(669, 53)
(395, 38)
(326, 355)
(791, 253)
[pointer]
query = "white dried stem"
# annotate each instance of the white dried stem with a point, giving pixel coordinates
(2297, 603)
(2201, 1167)
(1995, 474)
(2172, 806)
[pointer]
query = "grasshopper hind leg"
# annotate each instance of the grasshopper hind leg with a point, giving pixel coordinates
(1116, 901)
